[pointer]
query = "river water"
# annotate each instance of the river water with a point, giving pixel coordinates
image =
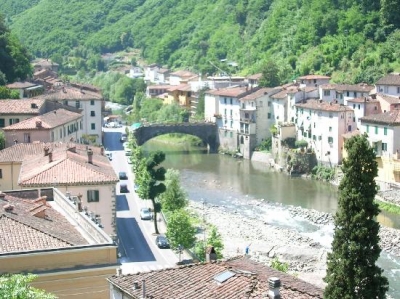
(237, 183)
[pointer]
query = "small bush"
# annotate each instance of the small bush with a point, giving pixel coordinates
(278, 265)
(323, 173)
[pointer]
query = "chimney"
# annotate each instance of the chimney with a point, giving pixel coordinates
(136, 285)
(46, 150)
(119, 271)
(144, 289)
(90, 155)
(38, 124)
(211, 255)
(8, 208)
(50, 157)
(274, 284)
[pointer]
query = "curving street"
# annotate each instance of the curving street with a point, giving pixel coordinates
(136, 240)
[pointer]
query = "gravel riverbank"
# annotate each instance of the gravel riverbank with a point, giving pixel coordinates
(305, 256)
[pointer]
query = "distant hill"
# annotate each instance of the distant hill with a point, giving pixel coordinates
(351, 40)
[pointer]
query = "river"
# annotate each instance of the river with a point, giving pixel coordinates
(223, 180)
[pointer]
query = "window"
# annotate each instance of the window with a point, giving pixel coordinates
(92, 113)
(398, 89)
(246, 115)
(330, 139)
(385, 131)
(231, 134)
(355, 94)
(260, 104)
(226, 133)
(314, 137)
(349, 128)
(347, 93)
(376, 129)
(269, 115)
(52, 136)
(354, 119)
(269, 104)
(330, 129)
(2, 123)
(13, 121)
(354, 106)
(231, 124)
(384, 147)
(327, 93)
(1, 173)
(93, 126)
(81, 125)
(231, 112)
(60, 133)
(330, 114)
(359, 107)
(231, 101)
(91, 102)
(314, 125)
(225, 112)
(27, 138)
(93, 196)
(224, 100)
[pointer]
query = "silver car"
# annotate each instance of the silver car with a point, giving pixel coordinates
(145, 214)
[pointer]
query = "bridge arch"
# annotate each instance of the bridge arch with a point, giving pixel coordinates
(207, 132)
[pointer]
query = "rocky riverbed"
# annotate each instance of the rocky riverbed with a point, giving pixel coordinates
(305, 256)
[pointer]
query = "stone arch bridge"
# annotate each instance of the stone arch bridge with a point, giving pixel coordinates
(207, 132)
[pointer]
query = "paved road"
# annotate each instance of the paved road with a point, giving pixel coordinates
(136, 240)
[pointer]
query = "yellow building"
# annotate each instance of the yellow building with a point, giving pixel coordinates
(44, 233)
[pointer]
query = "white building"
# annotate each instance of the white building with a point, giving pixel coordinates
(322, 125)
(91, 103)
(344, 92)
(389, 84)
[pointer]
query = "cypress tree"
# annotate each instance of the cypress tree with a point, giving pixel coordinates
(351, 270)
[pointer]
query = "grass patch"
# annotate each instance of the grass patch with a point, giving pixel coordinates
(388, 207)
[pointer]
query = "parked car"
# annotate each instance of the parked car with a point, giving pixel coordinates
(145, 214)
(123, 137)
(162, 242)
(123, 175)
(123, 188)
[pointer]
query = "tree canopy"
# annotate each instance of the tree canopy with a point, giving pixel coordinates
(14, 58)
(174, 197)
(352, 270)
(17, 286)
(180, 230)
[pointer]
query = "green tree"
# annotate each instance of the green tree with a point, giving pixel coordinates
(6, 93)
(2, 140)
(351, 271)
(180, 230)
(270, 75)
(390, 10)
(17, 287)
(174, 197)
(150, 176)
(214, 239)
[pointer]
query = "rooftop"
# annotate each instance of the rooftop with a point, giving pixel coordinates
(255, 76)
(312, 77)
(387, 118)
(71, 93)
(32, 224)
(245, 279)
(183, 74)
(180, 87)
(23, 106)
(20, 85)
(49, 120)
(229, 92)
(390, 79)
(67, 164)
(387, 98)
(323, 106)
(258, 93)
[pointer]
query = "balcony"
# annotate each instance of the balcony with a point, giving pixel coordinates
(247, 120)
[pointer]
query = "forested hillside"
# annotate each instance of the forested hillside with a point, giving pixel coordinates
(351, 40)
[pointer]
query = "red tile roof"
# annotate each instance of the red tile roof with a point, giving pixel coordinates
(390, 79)
(389, 99)
(71, 93)
(23, 106)
(229, 92)
(49, 120)
(21, 230)
(311, 77)
(183, 74)
(68, 166)
(258, 93)
(362, 87)
(20, 85)
(249, 280)
(181, 87)
(391, 118)
(323, 106)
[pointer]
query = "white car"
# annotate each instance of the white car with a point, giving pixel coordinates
(145, 214)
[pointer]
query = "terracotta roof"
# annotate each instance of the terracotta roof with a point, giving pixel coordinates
(390, 79)
(49, 120)
(229, 92)
(34, 225)
(71, 93)
(255, 76)
(18, 85)
(249, 280)
(391, 118)
(389, 99)
(283, 93)
(183, 74)
(23, 106)
(182, 87)
(311, 77)
(362, 87)
(258, 93)
(68, 166)
(323, 105)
